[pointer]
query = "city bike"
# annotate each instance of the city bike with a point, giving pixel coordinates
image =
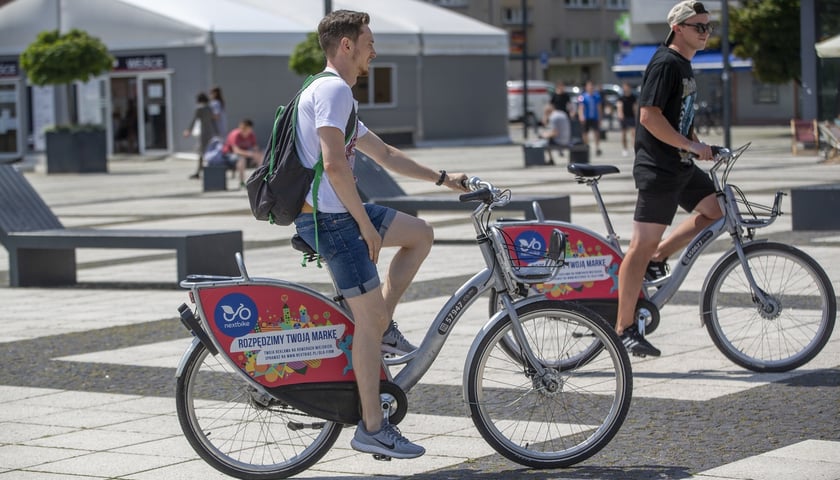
(767, 306)
(266, 386)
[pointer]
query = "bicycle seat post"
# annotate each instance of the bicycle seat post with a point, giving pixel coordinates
(611, 235)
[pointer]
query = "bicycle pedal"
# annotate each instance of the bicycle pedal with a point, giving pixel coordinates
(640, 355)
(381, 458)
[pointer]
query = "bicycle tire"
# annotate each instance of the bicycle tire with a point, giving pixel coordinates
(788, 336)
(525, 418)
(240, 434)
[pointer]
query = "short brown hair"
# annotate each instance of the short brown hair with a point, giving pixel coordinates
(339, 24)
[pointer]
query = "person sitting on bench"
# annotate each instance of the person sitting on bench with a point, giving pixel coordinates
(557, 132)
(241, 150)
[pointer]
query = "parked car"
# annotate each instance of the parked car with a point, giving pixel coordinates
(539, 94)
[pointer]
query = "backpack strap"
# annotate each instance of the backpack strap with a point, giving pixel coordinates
(350, 132)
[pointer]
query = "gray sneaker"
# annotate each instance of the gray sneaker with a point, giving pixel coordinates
(388, 441)
(394, 342)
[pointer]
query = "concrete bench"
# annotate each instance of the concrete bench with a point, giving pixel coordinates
(43, 253)
(815, 207)
(375, 185)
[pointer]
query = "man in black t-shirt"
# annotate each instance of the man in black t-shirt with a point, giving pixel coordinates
(664, 179)
(627, 110)
(560, 98)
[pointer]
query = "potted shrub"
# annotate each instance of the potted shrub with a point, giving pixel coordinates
(56, 58)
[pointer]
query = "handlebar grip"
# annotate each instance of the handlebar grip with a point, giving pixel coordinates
(482, 195)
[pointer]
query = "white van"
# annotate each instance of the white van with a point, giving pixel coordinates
(539, 94)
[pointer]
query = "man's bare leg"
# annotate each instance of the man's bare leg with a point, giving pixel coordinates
(705, 213)
(371, 319)
(414, 236)
(631, 274)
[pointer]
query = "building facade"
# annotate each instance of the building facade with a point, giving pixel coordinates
(423, 85)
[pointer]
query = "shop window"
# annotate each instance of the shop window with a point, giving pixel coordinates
(582, 3)
(377, 89)
(764, 93)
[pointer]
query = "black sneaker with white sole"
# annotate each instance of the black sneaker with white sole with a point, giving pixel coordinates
(657, 270)
(636, 344)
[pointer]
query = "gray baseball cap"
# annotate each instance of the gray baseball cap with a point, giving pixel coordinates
(682, 12)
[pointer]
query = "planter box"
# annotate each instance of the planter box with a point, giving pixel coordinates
(77, 152)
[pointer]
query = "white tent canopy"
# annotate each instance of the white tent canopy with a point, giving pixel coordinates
(829, 48)
(246, 27)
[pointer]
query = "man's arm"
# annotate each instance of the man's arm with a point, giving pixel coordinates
(397, 161)
(655, 122)
(343, 182)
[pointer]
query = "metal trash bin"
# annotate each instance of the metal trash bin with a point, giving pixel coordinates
(579, 153)
(534, 155)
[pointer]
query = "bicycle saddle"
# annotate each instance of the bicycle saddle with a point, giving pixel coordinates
(586, 170)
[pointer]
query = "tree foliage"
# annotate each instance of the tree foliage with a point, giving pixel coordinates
(768, 33)
(55, 58)
(307, 57)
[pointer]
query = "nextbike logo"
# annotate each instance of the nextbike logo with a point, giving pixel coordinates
(530, 246)
(235, 314)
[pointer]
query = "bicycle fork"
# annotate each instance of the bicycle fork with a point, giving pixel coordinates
(531, 365)
(766, 304)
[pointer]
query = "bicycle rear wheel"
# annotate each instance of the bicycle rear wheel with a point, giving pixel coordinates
(787, 332)
(240, 432)
(564, 416)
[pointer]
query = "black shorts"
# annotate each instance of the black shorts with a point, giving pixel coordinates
(627, 123)
(660, 206)
(591, 124)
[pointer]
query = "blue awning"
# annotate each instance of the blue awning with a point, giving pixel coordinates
(710, 61)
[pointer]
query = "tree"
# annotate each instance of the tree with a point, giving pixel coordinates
(55, 58)
(768, 33)
(307, 57)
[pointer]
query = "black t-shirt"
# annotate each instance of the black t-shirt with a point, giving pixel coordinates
(668, 83)
(561, 101)
(628, 103)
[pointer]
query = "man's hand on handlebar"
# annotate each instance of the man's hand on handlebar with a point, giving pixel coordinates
(457, 182)
(701, 151)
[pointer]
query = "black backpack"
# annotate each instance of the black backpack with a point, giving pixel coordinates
(277, 189)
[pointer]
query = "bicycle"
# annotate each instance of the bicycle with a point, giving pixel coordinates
(267, 398)
(767, 306)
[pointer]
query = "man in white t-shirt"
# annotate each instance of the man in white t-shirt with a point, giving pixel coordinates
(350, 233)
(558, 131)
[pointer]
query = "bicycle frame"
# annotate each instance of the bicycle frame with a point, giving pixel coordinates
(597, 258)
(278, 352)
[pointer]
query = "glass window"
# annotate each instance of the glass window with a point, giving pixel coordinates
(582, 3)
(764, 93)
(377, 89)
(9, 125)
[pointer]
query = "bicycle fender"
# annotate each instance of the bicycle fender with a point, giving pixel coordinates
(183, 362)
(714, 268)
(484, 331)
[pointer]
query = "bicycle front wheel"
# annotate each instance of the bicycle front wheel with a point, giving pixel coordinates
(240, 432)
(789, 329)
(564, 415)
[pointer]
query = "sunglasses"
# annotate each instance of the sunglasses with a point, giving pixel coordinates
(701, 27)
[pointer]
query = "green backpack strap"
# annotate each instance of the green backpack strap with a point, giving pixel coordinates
(319, 166)
(316, 183)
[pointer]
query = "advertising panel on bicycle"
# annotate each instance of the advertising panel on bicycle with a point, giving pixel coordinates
(280, 336)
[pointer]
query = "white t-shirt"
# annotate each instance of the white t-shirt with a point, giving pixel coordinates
(327, 102)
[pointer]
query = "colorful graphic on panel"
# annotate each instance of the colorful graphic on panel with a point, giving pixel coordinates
(280, 336)
(591, 265)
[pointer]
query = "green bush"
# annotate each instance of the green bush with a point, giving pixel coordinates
(307, 57)
(55, 58)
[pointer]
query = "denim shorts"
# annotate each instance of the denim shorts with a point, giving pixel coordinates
(341, 245)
